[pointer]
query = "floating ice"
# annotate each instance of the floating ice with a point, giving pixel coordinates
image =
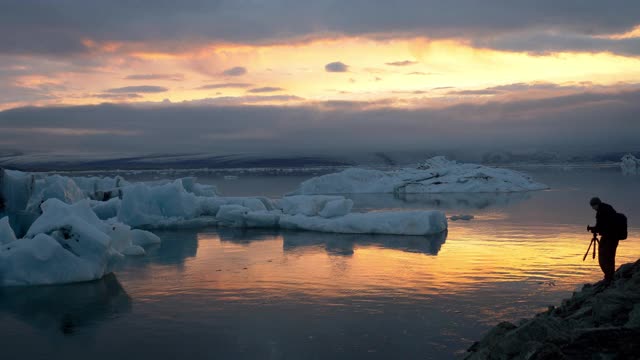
(388, 222)
(16, 189)
(630, 164)
(67, 243)
(6, 233)
(83, 225)
(325, 206)
(436, 175)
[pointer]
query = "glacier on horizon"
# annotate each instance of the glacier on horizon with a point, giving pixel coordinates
(436, 175)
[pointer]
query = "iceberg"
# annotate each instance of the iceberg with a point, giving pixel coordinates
(383, 222)
(67, 243)
(436, 175)
(630, 164)
(6, 232)
(82, 226)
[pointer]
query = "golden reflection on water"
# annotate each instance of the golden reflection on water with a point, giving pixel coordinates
(477, 256)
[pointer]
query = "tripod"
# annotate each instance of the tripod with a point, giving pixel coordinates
(594, 242)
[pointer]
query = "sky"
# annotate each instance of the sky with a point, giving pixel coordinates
(291, 76)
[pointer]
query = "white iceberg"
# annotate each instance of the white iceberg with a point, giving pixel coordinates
(82, 226)
(630, 164)
(436, 175)
(384, 222)
(67, 243)
(16, 189)
(6, 232)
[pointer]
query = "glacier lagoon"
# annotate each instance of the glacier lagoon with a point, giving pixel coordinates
(247, 294)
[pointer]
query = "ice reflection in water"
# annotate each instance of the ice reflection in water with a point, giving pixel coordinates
(66, 308)
(248, 294)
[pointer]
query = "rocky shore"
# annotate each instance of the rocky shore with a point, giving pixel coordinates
(599, 322)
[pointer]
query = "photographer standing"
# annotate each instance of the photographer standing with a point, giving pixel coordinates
(605, 226)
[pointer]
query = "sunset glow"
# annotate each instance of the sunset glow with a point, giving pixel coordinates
(397, 69)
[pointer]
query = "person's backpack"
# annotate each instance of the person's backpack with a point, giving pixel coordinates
(620, 226)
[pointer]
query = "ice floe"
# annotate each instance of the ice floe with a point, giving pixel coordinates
(67, 243)
(436, 175)
(81, 226)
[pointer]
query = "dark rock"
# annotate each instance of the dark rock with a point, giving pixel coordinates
(602, 321)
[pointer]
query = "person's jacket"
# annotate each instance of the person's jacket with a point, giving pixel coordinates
(605, 220)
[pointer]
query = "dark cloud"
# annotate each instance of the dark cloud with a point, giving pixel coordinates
(402, 63)
(137, 89)
(125, 96)
(61, 27)
(243, 100)
(548, 42)
(509, 88)
(584, 121)
(20, 94)
(235, 71)
(224, 86)
(266, 89)
(336, 67)
(172, 77)
(473, 92)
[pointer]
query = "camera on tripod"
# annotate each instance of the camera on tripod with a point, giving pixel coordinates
(594, 242)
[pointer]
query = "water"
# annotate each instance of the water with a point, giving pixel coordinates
(259, 294)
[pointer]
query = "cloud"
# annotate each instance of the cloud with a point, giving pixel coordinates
(519, 87)
(124, 96)
(172, 77)
(243, 100)
(235, 71)
(224, 86)
(573, 121)
(473, 92)
(545, 42)
(336, 67)
(137, 89)
(266, 89)
(402, 63)
(37, 27)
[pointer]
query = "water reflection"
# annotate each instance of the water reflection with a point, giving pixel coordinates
(176, 247)
(66, 308)
(343, 244)
(246, 236)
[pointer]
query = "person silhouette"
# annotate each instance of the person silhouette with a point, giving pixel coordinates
(605, 226)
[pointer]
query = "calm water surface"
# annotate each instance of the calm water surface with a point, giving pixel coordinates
(259, 294)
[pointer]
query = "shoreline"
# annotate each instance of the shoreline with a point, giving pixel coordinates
(597, 322)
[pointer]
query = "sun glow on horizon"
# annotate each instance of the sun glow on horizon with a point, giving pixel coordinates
(405, 72)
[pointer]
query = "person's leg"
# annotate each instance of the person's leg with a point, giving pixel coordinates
(607, 257)
(602, 257)
(613, 247)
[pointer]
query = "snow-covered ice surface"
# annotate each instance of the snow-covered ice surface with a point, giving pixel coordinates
(630, 164)
(83, 226)
(436, 175)
(67, 243)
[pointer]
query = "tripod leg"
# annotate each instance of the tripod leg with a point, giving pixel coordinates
(588, 249)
